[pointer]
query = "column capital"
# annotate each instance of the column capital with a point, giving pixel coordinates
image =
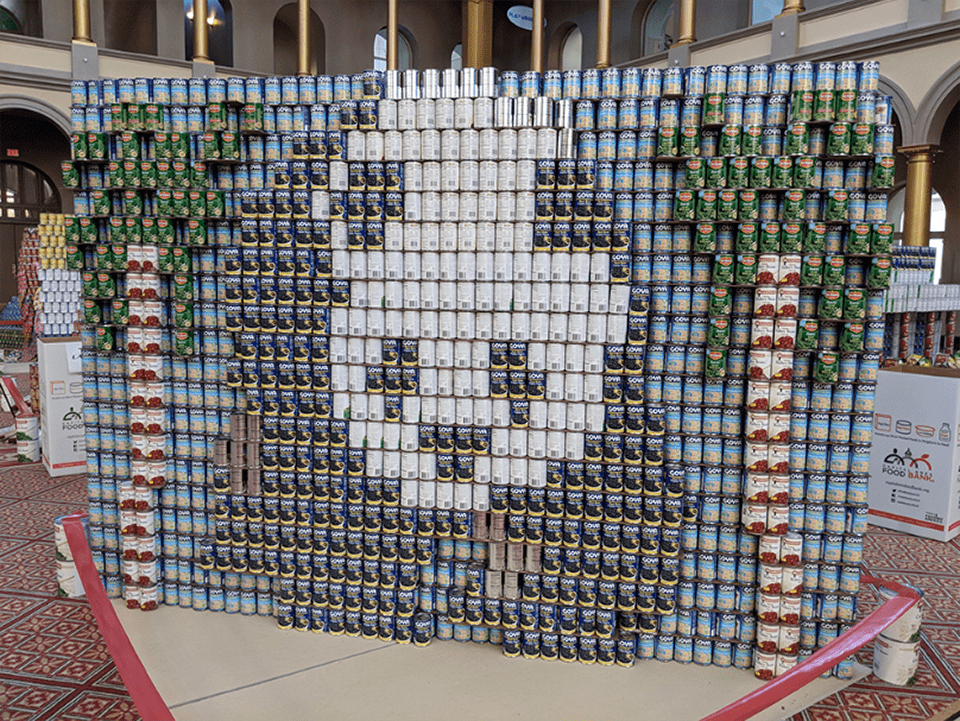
(914, 153)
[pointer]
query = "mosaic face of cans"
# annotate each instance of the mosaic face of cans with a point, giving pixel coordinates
(506, 345)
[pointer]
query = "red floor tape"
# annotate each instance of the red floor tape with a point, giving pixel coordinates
(152, 707)
(826, 658)
(134, 675)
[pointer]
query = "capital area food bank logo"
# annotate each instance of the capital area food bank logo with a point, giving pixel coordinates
(72, 420)
(907, 465)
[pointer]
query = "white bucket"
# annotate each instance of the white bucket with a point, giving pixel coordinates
(907, 627)
(27, 428)
(896, 662)
(28, 451)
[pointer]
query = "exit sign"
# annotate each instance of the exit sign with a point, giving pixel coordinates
(13, 153)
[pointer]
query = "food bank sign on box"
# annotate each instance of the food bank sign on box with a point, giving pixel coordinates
(914, 480)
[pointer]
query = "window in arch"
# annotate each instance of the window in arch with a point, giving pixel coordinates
(404, 53)
(938, 223)
(762, 11)
(571, 50)
(25, 192)
(9, 22)
(219, 30)
(456, 57)
(658, 27)
(286, 41)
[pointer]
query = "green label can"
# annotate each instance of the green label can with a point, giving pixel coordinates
(161, 145)
(131, 173)
(760, 172)
(838, 139)
(768, 240)
(730, 143)
(747, 238)
(838, 203)
(721, 302)
(196, 231)
(794, 204)
(694, 174)
(861, 139)
(715, 364)
(705, 240)
(99, 203)
(165, 258)
(183, 314)
(121, 311)
(791, 237)
(811, 270)
(92, 313)
(106, 285)
(824, 102)
(183, 342)
(782, 172)
(854, 304)
(881, 238)
(181, 259)
(830, 306)
(745, 272)
(148, 174)
(706, 205)
(827, 368)
(858, 239)
(689, 142)
(748, 207)
(667, 141)
(882, 172)
(97, 146)
(718, 333)
(807, 172)
(739, 172)
(132, 202)
(715, 174)
(808, 331)
(78, 146)
(182, 288)
(197, 207)
(723, 268)
(104, 339)
(834, 268)
(727, 205)
(119, 253)
(878, 275)
(801, 105)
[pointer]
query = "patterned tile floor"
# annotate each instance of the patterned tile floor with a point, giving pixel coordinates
(54, 664)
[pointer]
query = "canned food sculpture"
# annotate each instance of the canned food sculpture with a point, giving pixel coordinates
(576, 365)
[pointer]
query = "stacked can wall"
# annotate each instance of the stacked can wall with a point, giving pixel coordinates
(580, 365)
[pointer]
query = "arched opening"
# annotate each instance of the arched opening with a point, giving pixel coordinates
(404, 51)
(131, 26)
(286, 40)
(658, 27)
(31, 150)
(21, 17)
(938, 224)
(571, 49)
(456, 57)
(220, 30)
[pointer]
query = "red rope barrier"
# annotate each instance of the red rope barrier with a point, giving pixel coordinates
(134, 675)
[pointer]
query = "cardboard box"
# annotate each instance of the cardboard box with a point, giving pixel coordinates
(914, 482)
(62, 436)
